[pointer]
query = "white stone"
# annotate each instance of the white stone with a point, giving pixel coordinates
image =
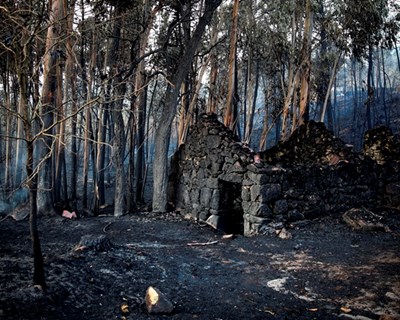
(157, 302)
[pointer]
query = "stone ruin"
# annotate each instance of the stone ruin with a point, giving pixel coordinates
(218, 179)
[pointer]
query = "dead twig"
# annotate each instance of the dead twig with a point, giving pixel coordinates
(2, 219)
(193, 244)
(106, 226)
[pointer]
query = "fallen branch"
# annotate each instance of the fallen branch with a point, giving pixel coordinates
(80, 248)
(193, 244)
(9, 215)
(106, 226)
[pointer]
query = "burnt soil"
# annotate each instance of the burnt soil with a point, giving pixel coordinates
(325, 271)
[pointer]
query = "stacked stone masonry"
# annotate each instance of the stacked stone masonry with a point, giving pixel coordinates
(217, 178)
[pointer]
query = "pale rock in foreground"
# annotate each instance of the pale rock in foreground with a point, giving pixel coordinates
(284, 234)
(157, 302)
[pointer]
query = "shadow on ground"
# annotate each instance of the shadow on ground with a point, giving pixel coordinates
(326, 271)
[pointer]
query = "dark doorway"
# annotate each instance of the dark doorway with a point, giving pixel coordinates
(231, 211)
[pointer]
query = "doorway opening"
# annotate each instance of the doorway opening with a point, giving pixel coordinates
(231, 211)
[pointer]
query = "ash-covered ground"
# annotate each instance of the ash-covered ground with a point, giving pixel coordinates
(325, 271)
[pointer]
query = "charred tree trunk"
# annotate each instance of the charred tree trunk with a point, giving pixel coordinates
(212, 99)
(190, 112)
(99, 189)
(370, 90)
(230, 113)
(8, 185)
(398, 57)
(119, 151)
(46, 146)
(385, 109)
(306, 64)
(163, 131)
(355, 97)
(252, 102)
(49, 106)
(119, 127)
(38, 264)
(86, 91)
(141, 125)
(326, 108)
(290, 88)
(140, 104)
(130, 198)
(70, 103)
(22, 69)
(32, 176)
(59, 183)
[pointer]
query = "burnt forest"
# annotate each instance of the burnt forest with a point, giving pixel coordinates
(200, 159)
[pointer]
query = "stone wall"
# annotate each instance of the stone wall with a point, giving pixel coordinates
(382, 145)
(207, 175)
(216, 178)
(292, 193)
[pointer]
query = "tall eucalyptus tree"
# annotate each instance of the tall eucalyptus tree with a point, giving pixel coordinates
(169, 103)
(54, 54)
(27, 19)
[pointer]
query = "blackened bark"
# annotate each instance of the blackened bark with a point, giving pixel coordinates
(32, 176)
(119, 131)
(163, 131)
(38, 265)
(385, 108)
(140, 145)
(230, 112)
(45, 194)
(49, 104)
(119, 151)
(130, 198)
(370, 90)
(102, 135)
